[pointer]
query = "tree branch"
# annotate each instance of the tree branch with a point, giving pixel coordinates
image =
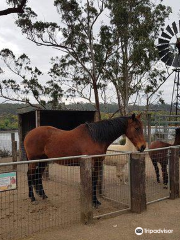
(18, 9)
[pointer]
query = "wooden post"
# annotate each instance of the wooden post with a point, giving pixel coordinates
(21, 144)
(38, 123)
(38, 118)
(14, 154)
(174, 172)
(149, 129)
(12, 140)
(137, 182)
(86, 190)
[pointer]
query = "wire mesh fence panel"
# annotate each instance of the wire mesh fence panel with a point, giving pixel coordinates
(157, 174)
(114, 185)
(165, 126)
(19, 217)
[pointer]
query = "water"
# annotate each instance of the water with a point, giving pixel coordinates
(5, 140)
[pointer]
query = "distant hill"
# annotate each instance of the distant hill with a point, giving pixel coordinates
(13, 109)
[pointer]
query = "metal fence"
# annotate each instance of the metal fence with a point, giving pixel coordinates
(157, 161)
(162, 127)
(127, 181)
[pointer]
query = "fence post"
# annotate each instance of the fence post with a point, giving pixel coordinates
(12, 139)
(37, 118)
(149, 129)
(14, 150)
(137, 182)
(14, 154)
(38, 123)
(174, 172)
(86, 190)
(21, 145)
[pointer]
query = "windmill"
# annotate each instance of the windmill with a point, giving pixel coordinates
(169, 53)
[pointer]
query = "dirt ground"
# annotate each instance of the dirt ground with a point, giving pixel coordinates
(160, 215)
(20, 218)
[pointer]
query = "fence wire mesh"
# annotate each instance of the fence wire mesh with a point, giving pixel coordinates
(114, 185)
(19, 217)
(157, 174)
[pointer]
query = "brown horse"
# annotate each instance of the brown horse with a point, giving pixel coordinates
(161, 156)
(86, 139)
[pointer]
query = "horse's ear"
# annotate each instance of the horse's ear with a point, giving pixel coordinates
(133, 116)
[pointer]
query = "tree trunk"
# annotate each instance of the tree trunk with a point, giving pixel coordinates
(97, 100)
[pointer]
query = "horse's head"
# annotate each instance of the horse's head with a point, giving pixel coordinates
(135, 132)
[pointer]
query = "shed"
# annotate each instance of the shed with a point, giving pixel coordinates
(63, 119)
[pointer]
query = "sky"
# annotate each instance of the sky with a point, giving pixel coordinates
(11, 37)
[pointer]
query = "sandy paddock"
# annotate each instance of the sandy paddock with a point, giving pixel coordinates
(21, 218)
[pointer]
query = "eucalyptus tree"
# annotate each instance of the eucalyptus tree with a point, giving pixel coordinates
(136, 26)
(77, 36)
(121, 50)
(26, 84)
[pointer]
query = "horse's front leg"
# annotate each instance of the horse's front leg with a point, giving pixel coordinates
(95, 175)
(31, 180)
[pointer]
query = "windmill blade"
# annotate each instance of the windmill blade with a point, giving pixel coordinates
(169, 30)
(165, 35)
(165, 58)
(162, 41)
(176, 62)
(174, 27)
(163, 53)
(170, 60)
(162, 47)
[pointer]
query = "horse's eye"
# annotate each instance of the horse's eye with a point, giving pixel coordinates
(137, 129)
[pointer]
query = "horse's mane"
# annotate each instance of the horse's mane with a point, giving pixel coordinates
(108, 130)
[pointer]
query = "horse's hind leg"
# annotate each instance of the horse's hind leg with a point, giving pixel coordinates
(156, 170)
(165, 174)
(38, 180)
(31, 179)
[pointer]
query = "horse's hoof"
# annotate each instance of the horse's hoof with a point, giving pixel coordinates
(96, 204)
(44, 196)
(165, 187)
(33, 199)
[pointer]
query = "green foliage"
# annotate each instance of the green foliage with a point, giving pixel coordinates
(8, 122)
(136, 27)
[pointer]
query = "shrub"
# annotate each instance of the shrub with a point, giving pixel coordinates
(4, 153)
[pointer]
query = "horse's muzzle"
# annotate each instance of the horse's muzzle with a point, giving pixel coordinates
(142, 148)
